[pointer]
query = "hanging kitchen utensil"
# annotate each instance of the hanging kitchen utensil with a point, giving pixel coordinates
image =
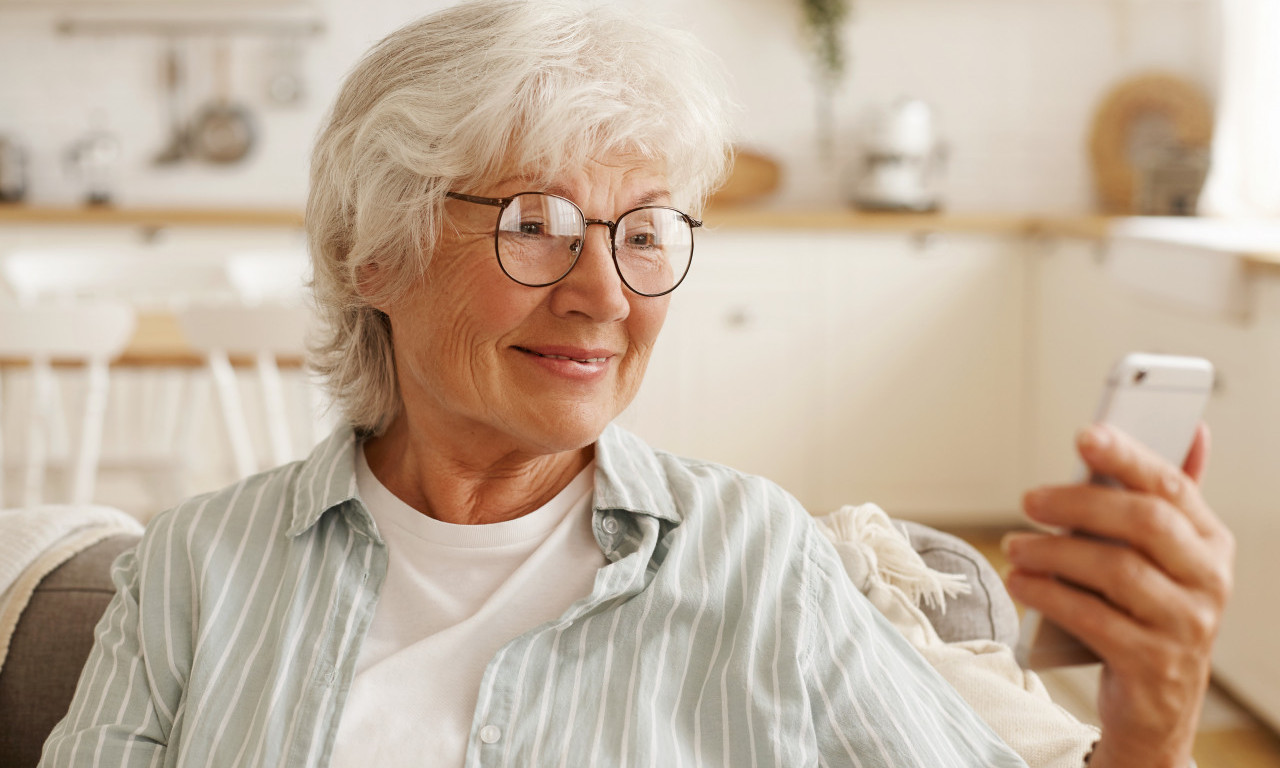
(284, 83)
(171, 79)
(94, 158)
(223, 131)
(13, 170)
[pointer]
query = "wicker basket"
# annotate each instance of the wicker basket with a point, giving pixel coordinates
(1164, 96)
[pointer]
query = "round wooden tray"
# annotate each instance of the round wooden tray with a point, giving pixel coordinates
(1162, 95)
(753, 177)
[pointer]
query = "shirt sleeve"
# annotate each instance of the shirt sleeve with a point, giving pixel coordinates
(874, 700)
(129, 691)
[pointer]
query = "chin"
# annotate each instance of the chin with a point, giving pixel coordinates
(558, 431)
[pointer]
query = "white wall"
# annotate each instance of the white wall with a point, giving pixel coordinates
(1015, 82)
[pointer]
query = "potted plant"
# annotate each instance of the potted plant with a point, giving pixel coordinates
(824, 26)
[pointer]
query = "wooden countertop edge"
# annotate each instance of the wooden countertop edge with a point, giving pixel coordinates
(844, 219)
(1092, 227)
(149, 217)
(735, 216)
(159, 359)
(1268, 261)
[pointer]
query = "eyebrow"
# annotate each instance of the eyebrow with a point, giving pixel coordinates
(648, 198)
(657, 195)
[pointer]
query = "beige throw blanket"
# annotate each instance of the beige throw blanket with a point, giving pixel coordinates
(35, 541)
(1014, 702)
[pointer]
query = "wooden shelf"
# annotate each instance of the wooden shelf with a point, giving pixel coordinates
(728, 217)
(849, 220)
(149, 217)
(1092, 227)
(1267, 260)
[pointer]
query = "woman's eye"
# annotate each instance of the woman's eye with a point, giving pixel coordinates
(640, 240)
(533, 228)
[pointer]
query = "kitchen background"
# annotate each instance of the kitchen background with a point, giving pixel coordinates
(1015, 84)
(935, 364)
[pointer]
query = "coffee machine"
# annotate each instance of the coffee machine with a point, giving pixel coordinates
(902, 160)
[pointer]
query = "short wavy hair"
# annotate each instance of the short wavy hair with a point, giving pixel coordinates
(460, 96)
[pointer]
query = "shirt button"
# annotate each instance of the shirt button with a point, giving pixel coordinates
(490, 734)
(610, 525)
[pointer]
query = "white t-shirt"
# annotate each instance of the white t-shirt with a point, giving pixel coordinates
(453, 596)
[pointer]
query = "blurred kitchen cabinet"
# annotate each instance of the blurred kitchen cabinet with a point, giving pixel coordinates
(1243, 485)
(734, 374)
(1084, 318)
(848, 367)
(922, 386)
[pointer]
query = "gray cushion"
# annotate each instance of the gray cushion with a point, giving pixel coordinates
(987, 612)
(49, 648)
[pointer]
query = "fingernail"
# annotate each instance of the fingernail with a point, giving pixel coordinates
(1095, 437)
(1033, 500)
(1009, 541)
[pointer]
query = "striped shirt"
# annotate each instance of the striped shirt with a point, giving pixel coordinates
(723, 631)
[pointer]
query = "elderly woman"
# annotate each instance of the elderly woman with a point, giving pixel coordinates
(480, 569)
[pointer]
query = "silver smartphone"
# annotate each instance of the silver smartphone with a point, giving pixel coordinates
(1159, 400)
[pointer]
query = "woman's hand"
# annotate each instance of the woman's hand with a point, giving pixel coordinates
(1151, 609)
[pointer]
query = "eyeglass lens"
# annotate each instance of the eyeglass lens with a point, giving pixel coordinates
(539, 237)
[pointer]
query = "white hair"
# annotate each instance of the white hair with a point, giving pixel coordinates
(457, 97)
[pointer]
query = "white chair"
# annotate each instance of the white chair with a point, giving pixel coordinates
(280, 277)
(276, 276)
(145, 278)
(261, 332)
(89, 335)
(149, 433)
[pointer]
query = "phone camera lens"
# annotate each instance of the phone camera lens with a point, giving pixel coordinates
(1139, 376)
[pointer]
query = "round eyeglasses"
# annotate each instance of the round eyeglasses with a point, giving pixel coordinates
(539, 238)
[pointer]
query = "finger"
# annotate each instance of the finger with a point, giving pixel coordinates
(1148, 523)
(1198, 458)
(1127, 579)
(1106, 631)
(1109, 451)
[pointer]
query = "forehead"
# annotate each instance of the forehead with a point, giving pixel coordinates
(623, 176)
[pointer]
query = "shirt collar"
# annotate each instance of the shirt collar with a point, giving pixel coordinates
(629, 477)
(327, 480)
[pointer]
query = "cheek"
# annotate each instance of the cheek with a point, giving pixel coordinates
(472, 305)
(651, 313)
(645, 323)
(434, 331)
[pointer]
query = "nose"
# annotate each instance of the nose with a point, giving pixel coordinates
(593, 288)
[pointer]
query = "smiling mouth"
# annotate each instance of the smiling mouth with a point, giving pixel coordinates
(562, 357)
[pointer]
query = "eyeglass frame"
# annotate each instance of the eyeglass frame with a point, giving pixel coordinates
(501, 203)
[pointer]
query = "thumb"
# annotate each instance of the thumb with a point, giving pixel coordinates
(1198, 457)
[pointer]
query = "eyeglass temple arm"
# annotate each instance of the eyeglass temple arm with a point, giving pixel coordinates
(500, 202)
(503, 202)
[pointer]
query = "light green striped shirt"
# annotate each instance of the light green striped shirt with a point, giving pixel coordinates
(723, 631)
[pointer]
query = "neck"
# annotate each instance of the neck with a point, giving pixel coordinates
(469, 485)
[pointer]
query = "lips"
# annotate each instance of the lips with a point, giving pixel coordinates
(575, 354)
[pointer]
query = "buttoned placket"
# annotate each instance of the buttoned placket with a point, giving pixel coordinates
(335, 670)
(491, 724)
